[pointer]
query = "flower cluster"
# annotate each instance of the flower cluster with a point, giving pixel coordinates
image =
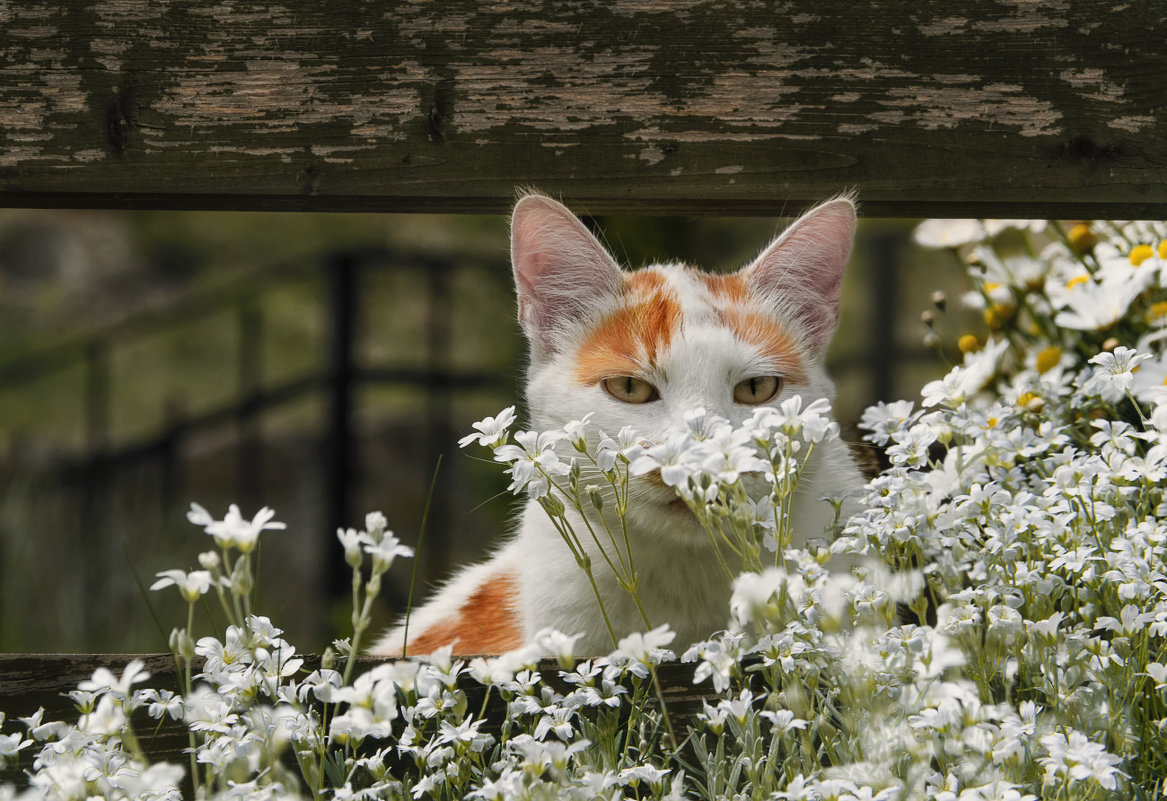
(1001, 635)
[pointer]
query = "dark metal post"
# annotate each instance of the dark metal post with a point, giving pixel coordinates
(249, 385)
(94, 544)
(339, 474)
(437, 412)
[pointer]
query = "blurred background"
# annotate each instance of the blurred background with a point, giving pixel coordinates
(320, 365)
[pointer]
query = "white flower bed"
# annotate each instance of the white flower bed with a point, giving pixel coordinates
(1023, 515)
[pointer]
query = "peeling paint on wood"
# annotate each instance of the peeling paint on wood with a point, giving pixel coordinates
(705, 106)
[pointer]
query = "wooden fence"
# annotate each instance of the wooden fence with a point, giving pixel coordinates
(1001, 108)
(1007, 108)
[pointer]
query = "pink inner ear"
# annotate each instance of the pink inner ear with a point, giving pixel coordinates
(801, 272)
(561, 272)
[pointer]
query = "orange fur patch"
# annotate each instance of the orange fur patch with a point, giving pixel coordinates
(486, 624)
(774, 343)
(730, 288)
(630, 339)
(646, 281)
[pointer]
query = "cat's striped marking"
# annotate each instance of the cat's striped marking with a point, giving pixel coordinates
(629, 340)
(487, 623)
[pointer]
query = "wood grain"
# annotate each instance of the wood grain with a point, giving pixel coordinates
(998, 108)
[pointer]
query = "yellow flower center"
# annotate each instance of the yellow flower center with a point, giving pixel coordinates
(1027, 400)
(1082, 238)
(997, 314)
(1140, 253)
(968, 343)
(1077, 280)
(991, 285)
(1157, 311)
(1163, 249)
(1049, 359)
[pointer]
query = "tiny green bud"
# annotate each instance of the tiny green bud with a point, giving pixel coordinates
(552, 505)
(241, 581)
(182, 644)
(595, 496)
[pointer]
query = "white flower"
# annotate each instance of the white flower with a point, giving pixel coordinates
(350, 540)
(533, 461)
(948, 233)
(233, 531)
(646, 648)
(10, 747)
(1158, 672)
(1113, 376)
(1093, 305)
(671, 457)
(884, 419)
(784, 721)
(799, 789)
(386, 551)
(492, 431)
(1077, 758)
(576, 431)
(105, 682)
(1150, 381)
(191, 585)
(646, 773)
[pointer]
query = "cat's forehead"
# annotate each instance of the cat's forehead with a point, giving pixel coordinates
(666, 307)
(697, 292)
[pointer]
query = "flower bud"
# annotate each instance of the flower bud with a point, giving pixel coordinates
(552, 505)
(241, 581)
(1082, 238)
(182, 644)
(595, 496)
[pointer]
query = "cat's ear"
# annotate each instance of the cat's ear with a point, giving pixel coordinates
(800, 273)
(563, 275)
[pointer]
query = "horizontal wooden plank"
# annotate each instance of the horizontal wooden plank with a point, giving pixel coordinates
(997, 108)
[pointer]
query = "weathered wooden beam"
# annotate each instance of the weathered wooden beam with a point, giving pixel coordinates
(997, 108)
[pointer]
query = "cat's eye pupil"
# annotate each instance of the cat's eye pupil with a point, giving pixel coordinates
(756, 390)
(630, 389)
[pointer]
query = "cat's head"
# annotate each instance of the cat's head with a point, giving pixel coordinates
(642, 348)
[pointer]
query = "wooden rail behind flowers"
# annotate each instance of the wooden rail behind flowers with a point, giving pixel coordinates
(29, 682)
(1004, 108)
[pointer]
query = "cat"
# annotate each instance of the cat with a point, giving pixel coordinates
(642, 348)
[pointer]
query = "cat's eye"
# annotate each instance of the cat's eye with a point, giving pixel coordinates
(757, 390)
(628, 389)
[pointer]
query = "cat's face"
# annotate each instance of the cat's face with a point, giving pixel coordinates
(643, 348)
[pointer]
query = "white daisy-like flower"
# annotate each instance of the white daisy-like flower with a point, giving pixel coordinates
(948, 233)
(191, 585)
(491, 431)
(1113, 374)
(1097, 305)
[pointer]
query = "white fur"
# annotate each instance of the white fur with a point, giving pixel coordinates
(681, 581)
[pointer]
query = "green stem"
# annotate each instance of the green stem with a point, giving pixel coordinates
(425, 516)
